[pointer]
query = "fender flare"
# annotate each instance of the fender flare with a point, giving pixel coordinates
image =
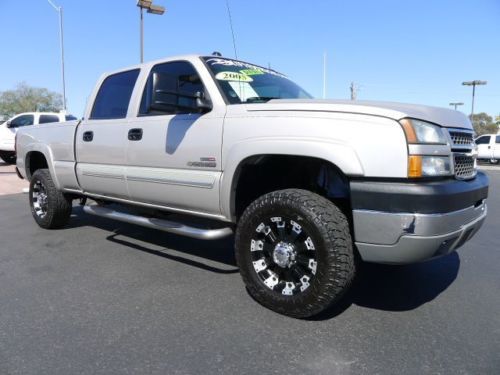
(47, 153)
(341, 155)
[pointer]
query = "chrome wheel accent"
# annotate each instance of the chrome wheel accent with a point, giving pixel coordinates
(40, 199)
(283, 255)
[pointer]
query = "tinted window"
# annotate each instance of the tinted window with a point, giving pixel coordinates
(175, 85)
(114, 96)
(70, 118)
(24, 120)
(44, 119)
(483, 140)
(498, 139)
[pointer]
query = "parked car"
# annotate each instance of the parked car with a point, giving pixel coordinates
(488, 147)
(309, 186)
(9, 128)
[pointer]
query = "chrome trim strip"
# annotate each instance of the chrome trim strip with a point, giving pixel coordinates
(103, 175)
(203, 185)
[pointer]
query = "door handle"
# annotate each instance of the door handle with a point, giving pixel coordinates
(88, 136)
(135, 134)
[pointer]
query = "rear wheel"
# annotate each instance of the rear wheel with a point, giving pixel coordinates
(295, 252)
(8, 157)
(49, 207)
(494, 161)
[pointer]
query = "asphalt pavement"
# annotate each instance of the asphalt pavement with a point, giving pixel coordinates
(102, 297)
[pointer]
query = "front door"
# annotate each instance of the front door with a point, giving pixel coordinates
(175, 159)
(483, 147)
(496, 148)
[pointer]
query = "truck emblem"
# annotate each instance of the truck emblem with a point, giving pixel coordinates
(207, 162)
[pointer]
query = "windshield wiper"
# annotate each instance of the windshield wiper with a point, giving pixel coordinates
(260, 99)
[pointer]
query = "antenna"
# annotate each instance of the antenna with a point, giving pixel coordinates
(354, 90)
(324, 75)
(232, 29)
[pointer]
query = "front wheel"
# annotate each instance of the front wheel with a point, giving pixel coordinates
(494, 161)
(8, 157)
(295, 252)
(50, 208)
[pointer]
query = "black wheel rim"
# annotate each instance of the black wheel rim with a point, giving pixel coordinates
(283, 255)
(40, 199)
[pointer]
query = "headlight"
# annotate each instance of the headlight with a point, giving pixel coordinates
(429, 166)
(418, 131)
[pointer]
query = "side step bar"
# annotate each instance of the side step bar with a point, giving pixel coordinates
(163, 225)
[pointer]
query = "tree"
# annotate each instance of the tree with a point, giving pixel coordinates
(483, 124)
(25, 98)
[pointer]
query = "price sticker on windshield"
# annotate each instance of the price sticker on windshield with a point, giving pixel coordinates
(233, 77)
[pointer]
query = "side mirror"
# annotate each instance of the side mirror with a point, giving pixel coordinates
(202, 103)
(8, 124)
(166, 97)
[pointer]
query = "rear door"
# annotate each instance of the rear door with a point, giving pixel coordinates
(101, 140)
(483, 147)
(174, 150)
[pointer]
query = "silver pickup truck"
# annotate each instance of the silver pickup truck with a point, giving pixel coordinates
(204, 146)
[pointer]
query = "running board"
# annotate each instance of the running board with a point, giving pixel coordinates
(163, 225)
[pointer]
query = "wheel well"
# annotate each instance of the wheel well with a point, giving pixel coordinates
(35, 160)
(258, 175)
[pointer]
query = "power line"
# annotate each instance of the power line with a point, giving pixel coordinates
(232, 29)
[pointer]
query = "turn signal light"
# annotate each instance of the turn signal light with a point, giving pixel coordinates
(414, 166)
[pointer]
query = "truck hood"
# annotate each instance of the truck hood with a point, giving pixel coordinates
(441, 116)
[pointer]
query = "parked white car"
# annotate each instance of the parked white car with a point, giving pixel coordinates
(9, 128)
(488, 148)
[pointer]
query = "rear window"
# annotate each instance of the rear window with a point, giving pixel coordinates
(45, 119)
(113, 97)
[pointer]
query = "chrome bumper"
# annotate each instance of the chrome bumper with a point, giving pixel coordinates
(399, 238)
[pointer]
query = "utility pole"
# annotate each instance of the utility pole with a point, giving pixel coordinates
(456, 104)
(473, 84)
(354, 91)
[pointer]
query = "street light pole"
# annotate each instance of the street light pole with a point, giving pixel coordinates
(153, 9)
(473, 84)
(456, 104)
(141, 9)
(61, 34)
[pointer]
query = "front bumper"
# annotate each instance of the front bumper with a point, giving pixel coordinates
(398, 223)
(7, 145)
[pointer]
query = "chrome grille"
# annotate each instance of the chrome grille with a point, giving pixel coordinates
(464, 166)
(461, 139)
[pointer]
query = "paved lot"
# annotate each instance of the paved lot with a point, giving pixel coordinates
(103, 297)
(9, 182)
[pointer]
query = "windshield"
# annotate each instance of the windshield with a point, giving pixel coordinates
(241, 82)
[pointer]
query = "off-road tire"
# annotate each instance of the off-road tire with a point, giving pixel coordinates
(58, 206)
(329, 229)
(8, 157)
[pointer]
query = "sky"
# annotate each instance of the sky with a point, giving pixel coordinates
(413, 51)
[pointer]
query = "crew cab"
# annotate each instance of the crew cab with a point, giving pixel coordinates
(488, 148)
(207, 146)
(9, 128)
